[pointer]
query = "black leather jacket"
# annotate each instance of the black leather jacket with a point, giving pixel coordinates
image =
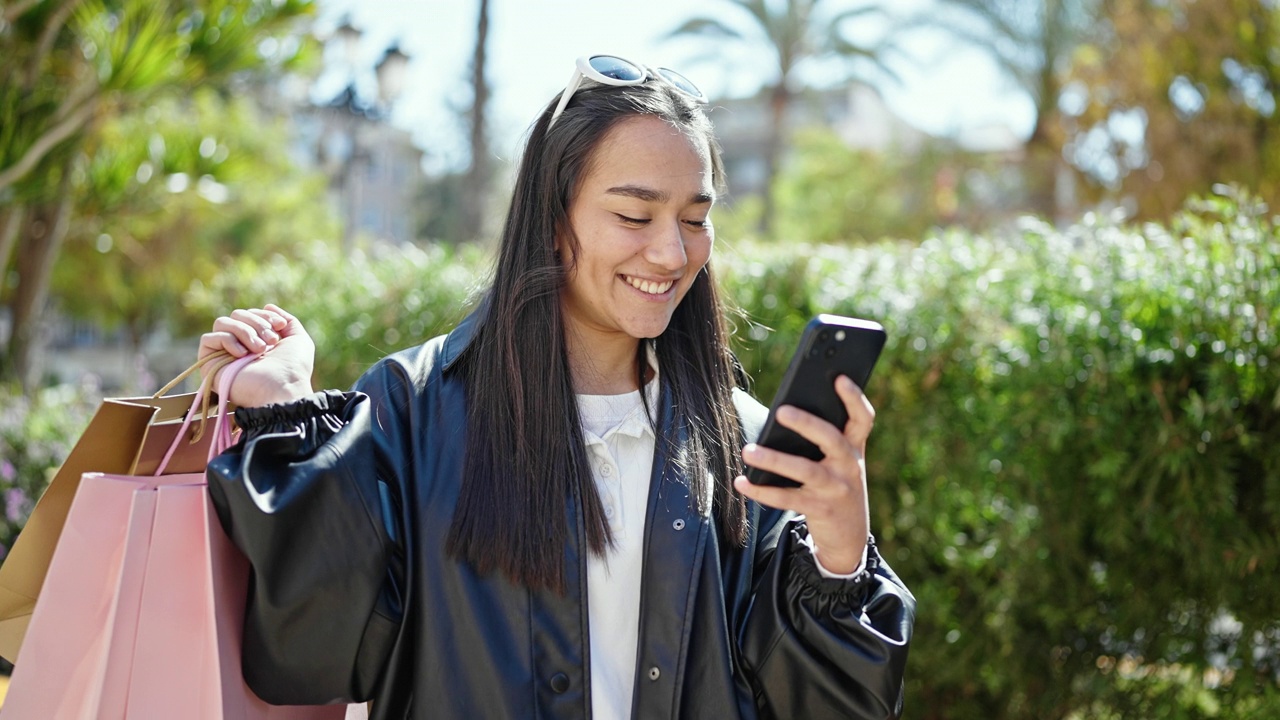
(342, 502)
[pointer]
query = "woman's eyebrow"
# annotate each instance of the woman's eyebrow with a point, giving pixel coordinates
(647, 194)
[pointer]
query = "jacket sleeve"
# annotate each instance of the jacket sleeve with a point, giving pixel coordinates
(819, 647)
(308, 494)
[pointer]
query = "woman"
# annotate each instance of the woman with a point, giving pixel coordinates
(542, 514)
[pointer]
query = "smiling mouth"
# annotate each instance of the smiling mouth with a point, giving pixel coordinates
(648, 286)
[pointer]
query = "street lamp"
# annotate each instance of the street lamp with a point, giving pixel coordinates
(348, 38)
(390, 72)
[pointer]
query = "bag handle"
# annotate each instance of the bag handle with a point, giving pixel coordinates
(215, 361)
(222, 421)
(230, 366)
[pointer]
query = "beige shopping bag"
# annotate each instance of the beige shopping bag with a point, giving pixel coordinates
(126, 436)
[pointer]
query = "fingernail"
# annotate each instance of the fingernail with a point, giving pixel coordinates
(750, 449)
(270, 336)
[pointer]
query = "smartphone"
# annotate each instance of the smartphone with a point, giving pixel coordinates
(831, 346)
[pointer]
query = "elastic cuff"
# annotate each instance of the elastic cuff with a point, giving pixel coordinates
(862, 564)
(279, 417)
(852, 589)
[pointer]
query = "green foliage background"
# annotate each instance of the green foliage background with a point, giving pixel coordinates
(1075, 465)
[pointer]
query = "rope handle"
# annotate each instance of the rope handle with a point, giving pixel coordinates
(216, 361)
(230, 367)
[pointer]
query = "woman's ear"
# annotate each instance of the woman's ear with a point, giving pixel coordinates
(557, 248)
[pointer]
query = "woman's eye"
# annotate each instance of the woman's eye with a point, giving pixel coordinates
(631, 220)
(698, 223)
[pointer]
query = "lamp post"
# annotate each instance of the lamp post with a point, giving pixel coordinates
(390, 72)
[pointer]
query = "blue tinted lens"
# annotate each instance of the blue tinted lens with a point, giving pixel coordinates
(681, 82)
(617, 68)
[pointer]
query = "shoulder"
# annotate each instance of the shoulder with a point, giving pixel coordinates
(404, 372)
(413, 368)
(416, 361)
(750, 413)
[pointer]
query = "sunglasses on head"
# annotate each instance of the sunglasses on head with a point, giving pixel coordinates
(616, 71)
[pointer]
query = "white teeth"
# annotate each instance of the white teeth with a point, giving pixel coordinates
(646, 286)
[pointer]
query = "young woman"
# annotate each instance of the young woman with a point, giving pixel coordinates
(542, 513)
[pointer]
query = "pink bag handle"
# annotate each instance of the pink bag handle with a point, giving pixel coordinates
(222, 426)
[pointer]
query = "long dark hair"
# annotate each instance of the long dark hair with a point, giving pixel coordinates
(525, 455)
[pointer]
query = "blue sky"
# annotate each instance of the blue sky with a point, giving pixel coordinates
(533, 44)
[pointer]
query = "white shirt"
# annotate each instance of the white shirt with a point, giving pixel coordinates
(620, 447)
(620, 443)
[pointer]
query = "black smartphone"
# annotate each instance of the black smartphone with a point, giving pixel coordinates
(831, 346)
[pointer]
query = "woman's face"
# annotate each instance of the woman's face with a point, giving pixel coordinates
(641, 216)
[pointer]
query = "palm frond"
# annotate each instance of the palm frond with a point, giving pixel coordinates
(705, 27)
(991, 15)
(851, 13)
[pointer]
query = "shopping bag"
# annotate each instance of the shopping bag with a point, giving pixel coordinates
(125, 436)
(142, 608)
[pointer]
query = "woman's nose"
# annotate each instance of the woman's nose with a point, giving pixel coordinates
(666, 248)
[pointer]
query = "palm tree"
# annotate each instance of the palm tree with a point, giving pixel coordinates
(1032, 43)
(794, 33)
(478, 178)
(68, 66)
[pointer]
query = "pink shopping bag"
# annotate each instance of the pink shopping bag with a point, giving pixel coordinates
(142, 610)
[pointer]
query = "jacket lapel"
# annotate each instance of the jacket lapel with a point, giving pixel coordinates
(674, 537)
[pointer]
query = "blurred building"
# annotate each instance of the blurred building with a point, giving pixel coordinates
(374, 169)
(856, 113)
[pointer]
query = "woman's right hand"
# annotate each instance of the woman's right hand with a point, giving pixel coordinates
(283, 375)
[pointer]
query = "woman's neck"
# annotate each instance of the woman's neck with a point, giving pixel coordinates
(602, 366)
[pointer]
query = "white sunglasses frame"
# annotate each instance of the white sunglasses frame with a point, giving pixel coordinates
(583, 70)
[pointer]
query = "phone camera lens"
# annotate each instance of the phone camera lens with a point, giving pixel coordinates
(831, 352)
(824, 336)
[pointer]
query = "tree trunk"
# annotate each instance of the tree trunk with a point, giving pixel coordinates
(10, 224)
(1043, 156)
(779, 99)
(476, 183)
(41, 239)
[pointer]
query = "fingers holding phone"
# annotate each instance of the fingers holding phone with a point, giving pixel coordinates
(841, 462)
(830, 347)
(831, 492)
(810, 455)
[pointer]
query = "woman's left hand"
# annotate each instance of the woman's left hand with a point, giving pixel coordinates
(833, 491)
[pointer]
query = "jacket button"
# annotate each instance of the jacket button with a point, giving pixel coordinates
(678, 524)
(654, 672)
(559, 683)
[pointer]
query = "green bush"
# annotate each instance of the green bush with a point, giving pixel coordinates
(358, 308)
(35, 437)
(1076, 464)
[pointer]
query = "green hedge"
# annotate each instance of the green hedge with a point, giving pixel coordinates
(1075, 465)
(36, 434)
(358, 308)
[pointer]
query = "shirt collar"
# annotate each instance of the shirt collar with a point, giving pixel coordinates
(636, 424)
